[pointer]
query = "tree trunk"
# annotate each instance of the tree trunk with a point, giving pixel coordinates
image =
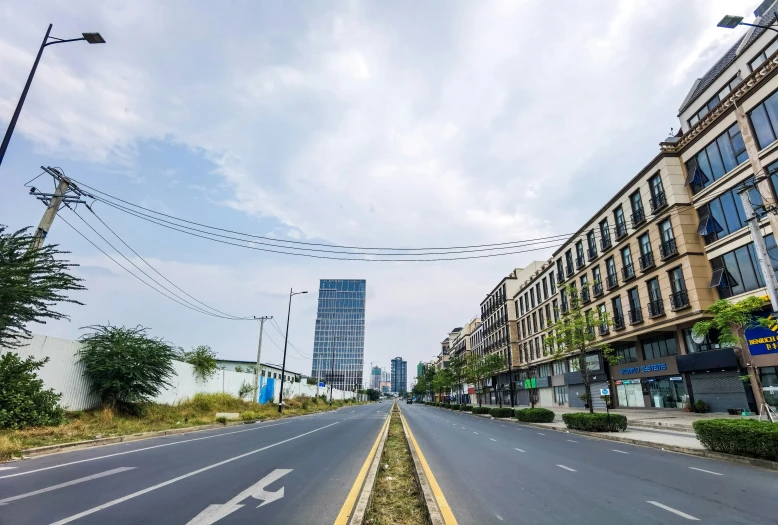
(587, 387)
(753, 376)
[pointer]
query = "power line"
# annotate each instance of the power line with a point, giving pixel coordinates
(281, 333)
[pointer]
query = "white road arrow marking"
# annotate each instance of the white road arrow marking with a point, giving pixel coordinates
(214, 513)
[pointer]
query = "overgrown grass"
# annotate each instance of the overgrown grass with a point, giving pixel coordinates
(99, 423)
(396, 497)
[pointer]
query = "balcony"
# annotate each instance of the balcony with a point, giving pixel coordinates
(679, 300)
(591, 252)
(605, 243)
(628, 272)
(597, 289)
(646, 261)
(568, 270)
(658, 202)
(638, 217)
(585, 298)
(667, 249)
(580, 262)
(656, 308)
(636, 316)
(611, 281)
(604, 329)
(618, 321)
(621, 230)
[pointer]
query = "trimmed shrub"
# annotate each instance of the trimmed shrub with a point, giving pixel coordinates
(501, 412)
(454, 407)
(480, 410)
(535, 415)
(597, 422)
(742, 437)
(466, 408)
(700, 406)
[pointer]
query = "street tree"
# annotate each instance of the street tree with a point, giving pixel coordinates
(479, 368)
(574, 336)
(731, 320)
(32, 281)
(429, 380)
(457, 365)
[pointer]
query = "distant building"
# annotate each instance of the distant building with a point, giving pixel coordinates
(420, 369)
(339, 339)
(399, 375)
(375, 378)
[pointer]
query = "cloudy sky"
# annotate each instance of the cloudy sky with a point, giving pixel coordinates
(399, 124)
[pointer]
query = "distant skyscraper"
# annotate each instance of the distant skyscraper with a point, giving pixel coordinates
(375, 378)
(399, 375)
(340, 325)
(420, 369)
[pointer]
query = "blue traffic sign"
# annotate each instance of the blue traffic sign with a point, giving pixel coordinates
(321, 383)
(605, 391)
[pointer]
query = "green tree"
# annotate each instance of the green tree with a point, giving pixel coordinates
(125, 365)
(738, 316)
(23, 400)
(429, 379)
(573, 336)
(373, 395)
(202, 359)
(31, 283)
(457, 366)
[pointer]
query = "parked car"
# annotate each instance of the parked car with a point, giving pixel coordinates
(409, 401)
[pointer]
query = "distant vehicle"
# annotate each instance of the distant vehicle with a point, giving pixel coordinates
(409, 402)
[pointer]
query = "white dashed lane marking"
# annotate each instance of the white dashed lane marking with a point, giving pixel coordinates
(708, 471)
(567, 468)
(674, 511)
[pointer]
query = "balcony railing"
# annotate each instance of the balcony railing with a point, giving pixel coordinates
(618, 321)
(605, 243)
(621, 230)
(638, 217)
(658, 201)
(585, 295)
(611, 281)
(646, 261)
(628, 272)
(604, 329)
(568, 270)
(597, 289)
(668, 249)
(591, 252)
(636, 316)
(579, 262)
(679, 300)
(656, 308)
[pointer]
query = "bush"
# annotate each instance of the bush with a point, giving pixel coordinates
(203, 361)
(222, 420)
(480, 410)
(700, 406)
(742, 437)
(466, 408)
(597, 422)
(535, 415)
(248, 416)
(454, 407)
(23, 401)
(501, 412)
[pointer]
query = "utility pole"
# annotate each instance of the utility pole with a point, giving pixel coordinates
(292, 293)
(259, 353)
(50, 213)
(332, 372)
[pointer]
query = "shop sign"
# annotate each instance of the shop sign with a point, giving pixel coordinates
(620, 382)
(676, 378)
(530, 383)
(763, 341)
(629, 382)
(645, 368)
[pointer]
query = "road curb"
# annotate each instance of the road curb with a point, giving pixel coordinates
(366, 495)
(430, 503)
(704, 453)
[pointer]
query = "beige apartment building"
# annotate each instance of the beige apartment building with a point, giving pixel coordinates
(674, 239)
(462, 347)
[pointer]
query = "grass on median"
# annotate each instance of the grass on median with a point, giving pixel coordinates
(199, 410)
(396, 497)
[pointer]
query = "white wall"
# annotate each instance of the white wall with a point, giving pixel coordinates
(64, 374)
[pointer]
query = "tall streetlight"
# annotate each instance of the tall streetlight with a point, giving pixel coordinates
(90, 38)
(286, 341)
(731, 22)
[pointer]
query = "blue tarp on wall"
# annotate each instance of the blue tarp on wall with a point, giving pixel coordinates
(267, 390)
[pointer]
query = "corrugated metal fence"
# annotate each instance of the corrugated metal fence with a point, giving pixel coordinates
(65, 374)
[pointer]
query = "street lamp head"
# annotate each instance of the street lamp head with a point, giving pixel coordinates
(730, 22)
(97, 38)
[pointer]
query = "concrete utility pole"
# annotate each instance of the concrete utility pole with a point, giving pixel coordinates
(51, 211)
(259, 354)
(332, 372)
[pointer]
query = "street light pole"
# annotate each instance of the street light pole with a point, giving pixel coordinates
(332, 372)
(286, 341)
(259, 354)
(92, 38)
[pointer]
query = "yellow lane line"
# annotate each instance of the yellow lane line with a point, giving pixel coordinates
(445, 509)
(351, 499)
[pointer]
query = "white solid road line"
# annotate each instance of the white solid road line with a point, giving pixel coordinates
(475, 432)
(7, 468)
(541, 433)
(674, 511)
(572, 441)
(66, 484)
(518, 449)
(619, 451)
(567, 468)
(493, 439)
(179, 478)
(708, 471)
(138, 450)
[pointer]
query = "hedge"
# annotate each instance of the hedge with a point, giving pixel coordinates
(501, 412)
(454, 407)
(742, 437)
(466, 408)
(480, 410)
(535, 415)
(597, 422)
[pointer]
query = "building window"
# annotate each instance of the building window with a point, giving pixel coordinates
(635, 312)
(718, 158)
(655, 305)
(725, 215)
(621, 223)
(569, 263)
(545, 289)
(713, 102)
(548, 313)
(592, 245)
(534, 322)
(532, 298)
(761, 57)
(559, 270)
(764, 120)
(668, 247)
(658, 199)
(559, 367)
(638, 214)
(551, 281)
(555, 306)
(626, 353)
(769, 377)
(626, 262)
(658, 346)
(560, 395)
(738, 271)
(544, 370)
(605, 234)
(540, 317)
(596, 280)
(579, 255)
(679, 297)
(709, 342)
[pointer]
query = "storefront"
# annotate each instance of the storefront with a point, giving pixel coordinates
(545, 392)
(763, 345)
(576, 390)
(714, 377)
(649, 384)
(629, 393)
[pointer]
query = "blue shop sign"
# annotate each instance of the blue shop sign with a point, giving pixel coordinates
(645, 368)
(762, 341)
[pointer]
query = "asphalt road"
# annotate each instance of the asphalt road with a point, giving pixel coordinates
(492, 471)
(297, 470)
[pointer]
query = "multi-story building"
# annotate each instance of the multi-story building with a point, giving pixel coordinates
(399, 375)
(462, 347)
(419, 370)
(339, 339)
(375, 377)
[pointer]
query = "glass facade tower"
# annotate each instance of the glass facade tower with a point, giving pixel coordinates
(339, 340)
(399, 375)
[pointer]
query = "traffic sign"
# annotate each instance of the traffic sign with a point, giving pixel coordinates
(605, 391)
(321, 383)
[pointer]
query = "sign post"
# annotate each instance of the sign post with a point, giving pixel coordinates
(606, 393)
